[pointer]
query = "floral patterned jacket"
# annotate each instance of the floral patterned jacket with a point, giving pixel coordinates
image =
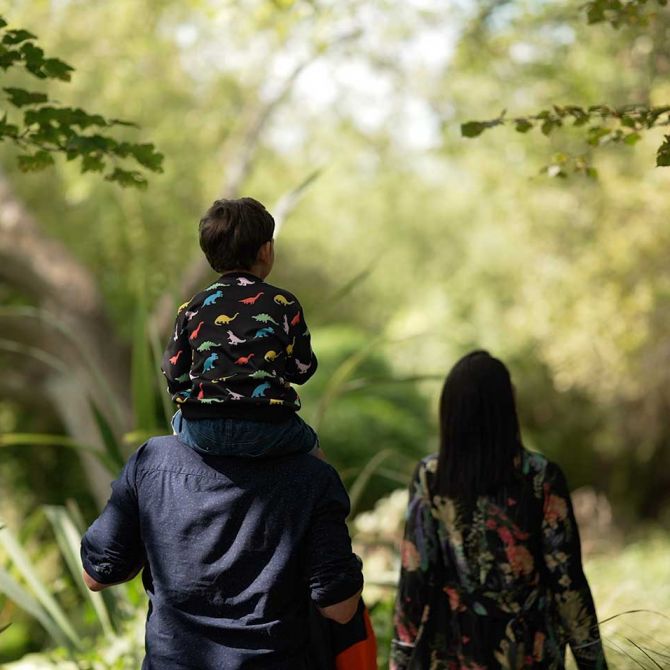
(496, 582)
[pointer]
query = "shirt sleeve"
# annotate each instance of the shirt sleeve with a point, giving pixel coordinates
(301, 362)
(419, 556)
(177, 357)
(562, 557)
(333, 570)
(112, 549)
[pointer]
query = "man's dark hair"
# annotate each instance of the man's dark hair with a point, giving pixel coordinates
(232, 232)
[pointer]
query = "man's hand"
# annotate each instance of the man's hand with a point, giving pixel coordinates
(94, 585)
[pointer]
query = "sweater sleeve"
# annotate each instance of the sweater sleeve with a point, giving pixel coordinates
(177, 357)
(301, 361)
(562, 557)
(419, 558)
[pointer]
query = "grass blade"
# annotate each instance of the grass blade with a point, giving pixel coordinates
(109, 441)
(46, 439)
(68, 539)
(23, 564)
(142, 374)
(364, 476)
(17, 594)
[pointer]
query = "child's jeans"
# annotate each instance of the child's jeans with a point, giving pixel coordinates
(237, 437)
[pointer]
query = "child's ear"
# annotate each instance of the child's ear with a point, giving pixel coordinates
(265, 252)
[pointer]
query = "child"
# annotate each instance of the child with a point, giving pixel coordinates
(239, 344)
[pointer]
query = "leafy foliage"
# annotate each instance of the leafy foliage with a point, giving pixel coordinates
(604, 123)
(45, 128)
(620, 13)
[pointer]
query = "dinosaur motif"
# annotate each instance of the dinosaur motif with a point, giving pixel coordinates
(183, 396)
(264, 332)
(209, 401)
(289, 348)
(175, 358)
(252, 300)
(201, 393)
(260, 390)
(224, 319)
(281, 300)
(207, 345)
(276, 401)
(211, 299)
(285, 324)
(209, 362)
(243, 281)
(223, 379)
(243, 360)
(233, 395)
(233, 339)
(264, 318)
(302, 367)
(296, 319)
(176, 334)
(182, 378)
(190, 315)
(196, 332)
(217, 284)
(183, 306)
(271, 356)
(260, 374)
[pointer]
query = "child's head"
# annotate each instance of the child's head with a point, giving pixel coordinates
(237, 235)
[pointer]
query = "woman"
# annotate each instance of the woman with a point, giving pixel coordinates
(491, 562)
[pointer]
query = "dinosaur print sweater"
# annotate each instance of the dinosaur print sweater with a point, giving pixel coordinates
(237, 347)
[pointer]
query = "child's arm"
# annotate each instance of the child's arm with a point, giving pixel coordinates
(301, 361)
(177, 357)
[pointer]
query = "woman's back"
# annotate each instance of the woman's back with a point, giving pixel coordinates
(498, 577)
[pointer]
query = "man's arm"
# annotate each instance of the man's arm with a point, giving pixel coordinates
(94, 585)
(342, 612)
(333, 570)
(111, 549)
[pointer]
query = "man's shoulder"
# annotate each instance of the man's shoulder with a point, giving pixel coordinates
(166, 452)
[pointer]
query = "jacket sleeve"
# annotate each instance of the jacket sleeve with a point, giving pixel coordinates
(419, 556)
(112, 549)
(333, 570)
(301, 361)
(177, 357)
(563, 560)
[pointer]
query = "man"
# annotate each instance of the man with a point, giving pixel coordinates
(233, 549)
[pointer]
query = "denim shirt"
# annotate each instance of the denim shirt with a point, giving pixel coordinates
(233, 549)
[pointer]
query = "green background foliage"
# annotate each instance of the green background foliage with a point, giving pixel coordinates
(409, 246)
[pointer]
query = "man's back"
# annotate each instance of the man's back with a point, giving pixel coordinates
(234, 548)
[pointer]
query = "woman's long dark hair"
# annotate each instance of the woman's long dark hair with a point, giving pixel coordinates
(479, 428)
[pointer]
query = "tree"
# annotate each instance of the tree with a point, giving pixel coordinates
(600, 123)
(49, 128)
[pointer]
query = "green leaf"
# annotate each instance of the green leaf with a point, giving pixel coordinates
(632, 138)
(57, 69)
(146, 155)
(663, 154)
(19, 97)
(17, 36)
(35, 162)
(127, 178)
(472, 128)
(522, 125)
(92, 163)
